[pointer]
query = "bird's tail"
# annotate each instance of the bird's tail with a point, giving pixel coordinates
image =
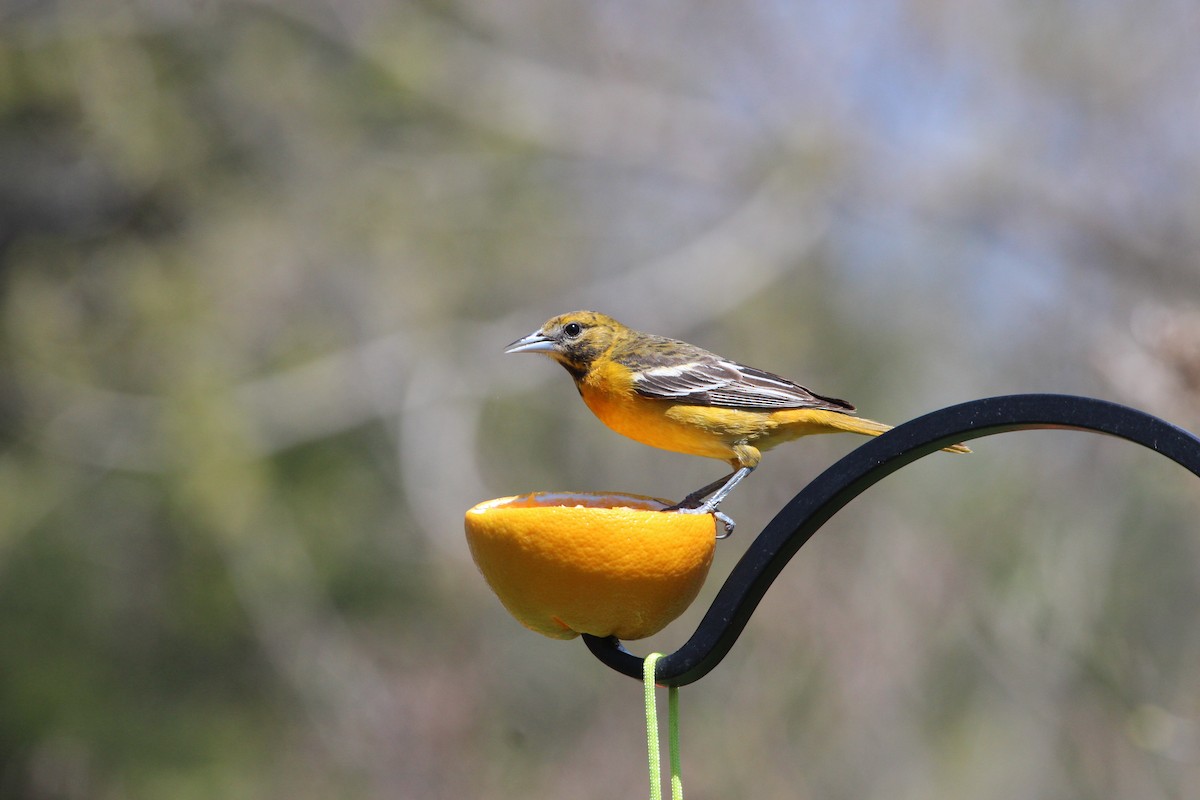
(833, 421)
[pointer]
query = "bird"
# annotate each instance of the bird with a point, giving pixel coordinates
(676, 396)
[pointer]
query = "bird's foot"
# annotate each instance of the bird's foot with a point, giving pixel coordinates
(726, 521)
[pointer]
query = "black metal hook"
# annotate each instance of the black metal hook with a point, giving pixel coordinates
(858, 471)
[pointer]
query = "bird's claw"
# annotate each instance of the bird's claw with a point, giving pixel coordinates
(726, 521)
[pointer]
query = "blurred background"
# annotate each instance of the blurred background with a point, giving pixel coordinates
(259, 260)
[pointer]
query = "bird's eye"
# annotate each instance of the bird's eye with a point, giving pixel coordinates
(572, 329)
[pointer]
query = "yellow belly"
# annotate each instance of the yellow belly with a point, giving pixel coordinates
(662, 424)
(714, 432)
(693, 429)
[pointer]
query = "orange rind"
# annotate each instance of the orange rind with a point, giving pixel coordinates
(566, 563)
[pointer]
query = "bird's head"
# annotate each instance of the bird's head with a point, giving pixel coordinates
(573, 340)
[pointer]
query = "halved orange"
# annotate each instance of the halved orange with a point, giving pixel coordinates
(566, 563)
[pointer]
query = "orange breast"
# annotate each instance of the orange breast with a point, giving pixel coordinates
(694, 430)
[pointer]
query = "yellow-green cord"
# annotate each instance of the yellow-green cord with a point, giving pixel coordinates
(673, 739)
(652, 726)
(652, 733)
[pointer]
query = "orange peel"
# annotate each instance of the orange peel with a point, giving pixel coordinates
(566, 563)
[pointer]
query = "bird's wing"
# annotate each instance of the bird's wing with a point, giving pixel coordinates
(697, 377)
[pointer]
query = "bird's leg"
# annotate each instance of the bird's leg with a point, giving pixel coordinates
(713, 502)
(745, 459)
(692, 504)
(693, 500)
(723, 488)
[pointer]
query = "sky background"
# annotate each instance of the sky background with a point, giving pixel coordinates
(258, 264)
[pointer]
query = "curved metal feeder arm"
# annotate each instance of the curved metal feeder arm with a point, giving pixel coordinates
(858, 471)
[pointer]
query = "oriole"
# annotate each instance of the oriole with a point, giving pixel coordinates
(676, 396)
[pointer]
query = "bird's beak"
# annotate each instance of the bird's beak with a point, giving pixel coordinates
(536, 342)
